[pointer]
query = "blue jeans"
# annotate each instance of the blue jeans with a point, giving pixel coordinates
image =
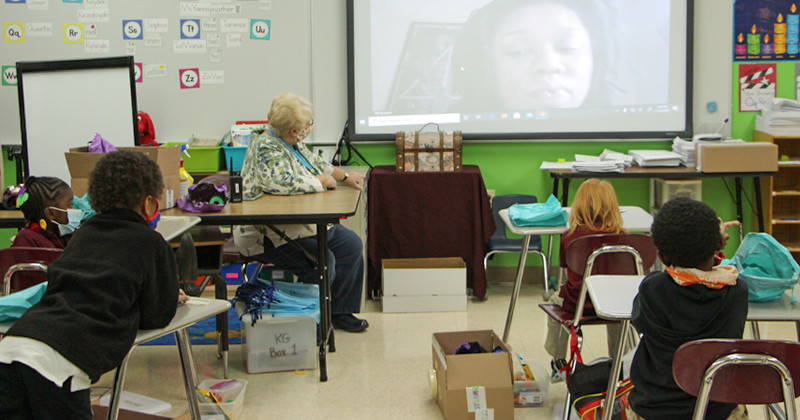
(345, 265)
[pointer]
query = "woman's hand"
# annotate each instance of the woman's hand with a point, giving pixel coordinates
(354, 180)
(182, 297)
(723, 227)
(328, 181)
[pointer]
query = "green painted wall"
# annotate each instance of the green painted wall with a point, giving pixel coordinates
(513, 168)
(9, 178)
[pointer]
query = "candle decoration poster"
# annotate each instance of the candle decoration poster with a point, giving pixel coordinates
(766, 30)
(757, 86)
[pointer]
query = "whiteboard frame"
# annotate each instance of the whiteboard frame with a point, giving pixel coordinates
(65, 102)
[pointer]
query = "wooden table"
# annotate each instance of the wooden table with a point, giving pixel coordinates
(320, 209)
(634, 219)
(679, 172)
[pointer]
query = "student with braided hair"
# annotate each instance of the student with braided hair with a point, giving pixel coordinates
(46, 203)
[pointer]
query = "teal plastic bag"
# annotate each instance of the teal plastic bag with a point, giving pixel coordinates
(14, 305)
(548, 213)
(766, 266)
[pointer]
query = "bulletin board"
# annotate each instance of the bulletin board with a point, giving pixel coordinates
(200, 66)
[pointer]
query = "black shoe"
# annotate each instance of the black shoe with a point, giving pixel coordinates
(349, 323)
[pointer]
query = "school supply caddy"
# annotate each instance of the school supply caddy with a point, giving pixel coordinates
(548, 213)
(428, 151)
(766, 266)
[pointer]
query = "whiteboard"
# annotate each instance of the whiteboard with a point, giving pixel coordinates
(254, 70)
(64, 106)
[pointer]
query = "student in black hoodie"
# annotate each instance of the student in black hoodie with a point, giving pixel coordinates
(116, 276)
(690, 300)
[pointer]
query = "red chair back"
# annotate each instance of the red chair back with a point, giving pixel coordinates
(736, 384)
(23, 280)
(578, 252)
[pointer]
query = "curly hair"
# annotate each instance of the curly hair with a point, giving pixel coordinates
(122, 180)
(686, 231)
(472, 62)
(289, 111)
(43, 192)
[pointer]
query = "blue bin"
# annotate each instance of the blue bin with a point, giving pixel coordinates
(237, 153)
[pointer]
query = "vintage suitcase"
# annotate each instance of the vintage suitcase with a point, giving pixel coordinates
(428, 151)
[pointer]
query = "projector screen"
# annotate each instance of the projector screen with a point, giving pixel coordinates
(520, 69)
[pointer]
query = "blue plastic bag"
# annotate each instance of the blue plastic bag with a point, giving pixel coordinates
(766, 266)
(14, 305)
(548, 213)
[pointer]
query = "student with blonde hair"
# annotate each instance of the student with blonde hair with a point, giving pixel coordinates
(594, 211)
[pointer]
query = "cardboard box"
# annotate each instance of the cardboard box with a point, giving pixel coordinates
(736, 157)
(424, 285)
(458, 375)
(80, 163)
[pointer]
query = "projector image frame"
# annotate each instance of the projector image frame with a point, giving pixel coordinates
(473, 66)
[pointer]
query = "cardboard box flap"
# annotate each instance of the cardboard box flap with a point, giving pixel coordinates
(80, 161)
(486, 370)
(450, 341)
(398, 263)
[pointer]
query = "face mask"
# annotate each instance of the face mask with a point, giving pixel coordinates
(152, 221)
(73, 220)
(304, 133)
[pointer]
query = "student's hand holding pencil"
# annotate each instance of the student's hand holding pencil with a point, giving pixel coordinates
(182, 297)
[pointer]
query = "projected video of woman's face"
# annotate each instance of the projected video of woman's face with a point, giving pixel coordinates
(542, 56)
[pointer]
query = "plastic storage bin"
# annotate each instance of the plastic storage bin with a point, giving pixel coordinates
(233, 406)
(237, 154)
(532, 393)
(280, 343)
(663, 190)
(203, 159)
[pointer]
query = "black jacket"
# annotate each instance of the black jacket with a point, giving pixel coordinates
(116, 276)
(668, 315)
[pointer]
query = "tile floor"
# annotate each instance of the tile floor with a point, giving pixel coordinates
(379, 374)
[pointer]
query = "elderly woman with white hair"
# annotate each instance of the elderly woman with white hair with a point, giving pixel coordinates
(278, 163)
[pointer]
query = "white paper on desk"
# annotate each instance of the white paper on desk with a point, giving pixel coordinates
(586, 158)
(556, 165)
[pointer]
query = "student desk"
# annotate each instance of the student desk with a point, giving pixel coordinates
(679, 172)
(612, 297)
(428, 215)
(187, 314)
(634, 219)
(320, 209)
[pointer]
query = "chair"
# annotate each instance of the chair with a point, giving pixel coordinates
(500, 242)
(607, 253)
(33, 261)
(739, 372)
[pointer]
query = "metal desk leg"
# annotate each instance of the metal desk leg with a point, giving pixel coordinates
(565, 195)
(613, 380)
(522, 257)
(116, 389)
(555, 187)
(759, 209)
(189, 371)
(739, 207)
(326, 323)
(221, 292)
(755, 332)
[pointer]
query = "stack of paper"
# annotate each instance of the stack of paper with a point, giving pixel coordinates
(780, 117)
(655, 157)
(685, 149)
(584, 163)
(610, 155)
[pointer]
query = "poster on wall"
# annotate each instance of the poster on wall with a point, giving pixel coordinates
(757, 84)
(766, 30)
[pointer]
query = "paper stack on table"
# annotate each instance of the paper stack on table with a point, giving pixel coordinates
(611, 155)
(655, 157)
(584, 163)
(685, 149)
(780, 117)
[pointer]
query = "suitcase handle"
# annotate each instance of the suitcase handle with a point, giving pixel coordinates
(423, 127)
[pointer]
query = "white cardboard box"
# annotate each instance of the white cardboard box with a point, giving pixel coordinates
(424, 285)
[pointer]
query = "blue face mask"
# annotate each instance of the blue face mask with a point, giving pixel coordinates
(73, 220)
(154, 221)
